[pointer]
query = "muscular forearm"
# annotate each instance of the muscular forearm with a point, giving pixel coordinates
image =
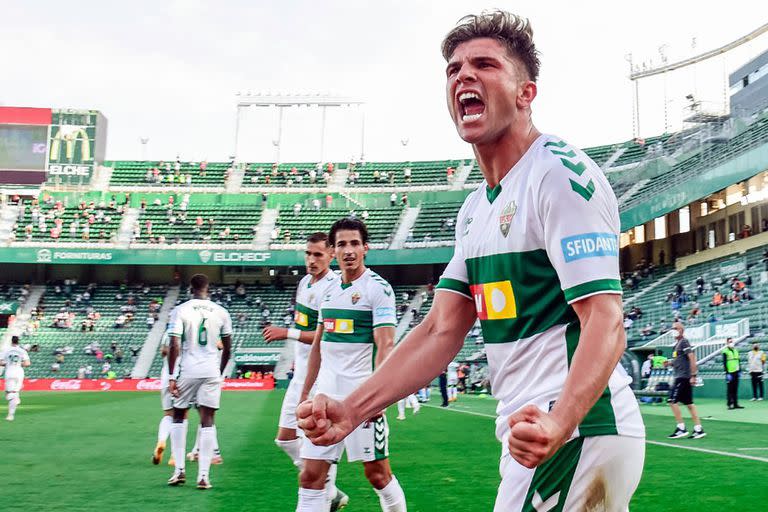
(313, 367)
(225, 354)
(412, 364)
(307, 337)
(601, 343)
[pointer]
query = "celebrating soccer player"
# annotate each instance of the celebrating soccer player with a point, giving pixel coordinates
(355, 332)
(536, 261)
(311, 290)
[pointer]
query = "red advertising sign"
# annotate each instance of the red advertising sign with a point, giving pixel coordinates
(129, 384)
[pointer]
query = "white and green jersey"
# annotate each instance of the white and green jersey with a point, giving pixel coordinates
(13, 357)
(308, 297)
(544, 238)
(200, 324)
(350, 312)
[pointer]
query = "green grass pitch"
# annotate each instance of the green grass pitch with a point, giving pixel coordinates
(91, 451)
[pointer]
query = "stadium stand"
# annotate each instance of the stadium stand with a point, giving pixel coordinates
(294, 226)
(53, 221)
(304, 174)
(77, 326)
(375, 174)
(436, 222)
(166, 174)
(220, 223)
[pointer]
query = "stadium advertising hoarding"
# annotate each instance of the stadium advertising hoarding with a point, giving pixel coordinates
(131, 384)
(255, 357)
(72, 146)
(108, 256)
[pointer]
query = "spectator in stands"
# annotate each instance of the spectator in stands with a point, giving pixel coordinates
(746, 231)
(297, 208)
(55, 367)
(118, 355)
(393, 201)
(663, 327)
(407, 174)
(647, 331)
(328, 200)
(627, 322)
(404, 199)
(449, 172)
(120, 321)
(732, 368)
(700, 285)
(717, 299)
(645, 370)
(81, 372)
(756, 366)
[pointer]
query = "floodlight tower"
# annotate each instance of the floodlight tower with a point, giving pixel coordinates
(281, 101)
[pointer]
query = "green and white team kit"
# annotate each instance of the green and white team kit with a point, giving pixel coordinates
(349, 314)
(199, 324)
(544, 238)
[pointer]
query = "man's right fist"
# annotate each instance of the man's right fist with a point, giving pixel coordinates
(324, 420)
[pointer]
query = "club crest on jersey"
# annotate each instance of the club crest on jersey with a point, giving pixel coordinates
(312, 298)
(355, 297)
(505, 219)
(466, 225)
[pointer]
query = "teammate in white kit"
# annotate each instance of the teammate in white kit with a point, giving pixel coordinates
(15, 359)
(356, 330)
(453, 381)
(311, 290)
(196, 374)
(536, 261)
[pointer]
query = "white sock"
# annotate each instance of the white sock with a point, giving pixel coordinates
(681, 426)
(179, 444)
(196, 448)
(392, 497)
(311, 500)
(330, 483)
(13, 403)
(697, 428)
(401, 407)
(415, 405)
(164, 430)
(215, 439)
(291, 448)
(207, 440)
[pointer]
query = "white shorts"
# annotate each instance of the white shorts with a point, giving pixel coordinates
(166, 399)
(453, 382)
(290, 403)
(205, 392)
(588, 473)
(14, 383)
(367, 443)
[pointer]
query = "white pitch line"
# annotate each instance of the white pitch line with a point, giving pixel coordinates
(760, 448)
(657, 443)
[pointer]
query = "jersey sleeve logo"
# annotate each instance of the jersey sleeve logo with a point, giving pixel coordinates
(589, 245)
(494, 301)
(339, 325)
(301, 319)
(505, 219)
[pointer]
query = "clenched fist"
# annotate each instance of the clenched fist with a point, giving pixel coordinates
(534, 436)
(324, 420)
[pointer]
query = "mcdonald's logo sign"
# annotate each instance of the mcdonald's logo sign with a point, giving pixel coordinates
(70, 137)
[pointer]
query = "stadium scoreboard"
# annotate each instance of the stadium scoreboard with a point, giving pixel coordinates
(58, 145)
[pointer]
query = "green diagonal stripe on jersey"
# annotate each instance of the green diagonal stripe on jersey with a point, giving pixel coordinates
(539, 301)
(347, 325)
(305, 318)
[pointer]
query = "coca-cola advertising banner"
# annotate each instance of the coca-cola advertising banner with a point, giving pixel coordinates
(129, 384)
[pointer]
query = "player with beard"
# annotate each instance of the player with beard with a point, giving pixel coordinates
(536, 261)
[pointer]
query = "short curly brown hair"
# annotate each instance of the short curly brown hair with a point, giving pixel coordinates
(512, 31)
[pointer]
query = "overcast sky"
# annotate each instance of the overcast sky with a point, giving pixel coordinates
(169, 70)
